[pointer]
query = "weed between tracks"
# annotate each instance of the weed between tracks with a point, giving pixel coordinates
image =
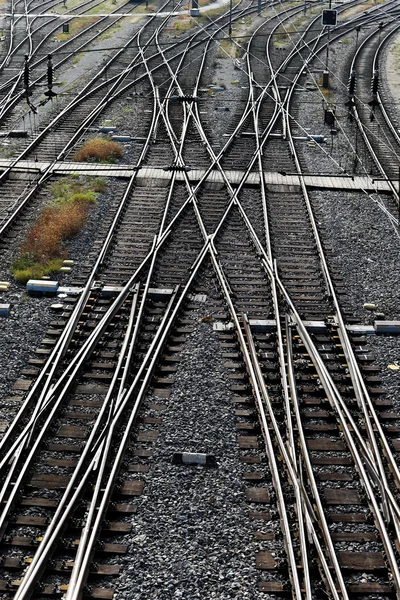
(99, 150)
(42, 252)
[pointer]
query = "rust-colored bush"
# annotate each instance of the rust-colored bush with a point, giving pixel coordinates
(42, 252)
(99, 150)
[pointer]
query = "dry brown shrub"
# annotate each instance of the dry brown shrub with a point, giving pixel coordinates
(99, 150)
(54, 225)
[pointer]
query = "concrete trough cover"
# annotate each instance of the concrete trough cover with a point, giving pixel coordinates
(198, 297)
(392, 327)
(121, 138)
(69, 291)
(111, 290)
(107, 129)
(159, 293)
(219, 326)
(262, 324)
(361, 329)
(315, 326)
(194, 458)
(42, 286)
(5, 310)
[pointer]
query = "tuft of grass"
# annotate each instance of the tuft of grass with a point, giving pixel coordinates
(99, 150)
(42, 252)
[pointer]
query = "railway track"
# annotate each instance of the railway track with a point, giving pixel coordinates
(316, 441)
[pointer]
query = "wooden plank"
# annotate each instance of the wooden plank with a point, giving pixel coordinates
(162, 392)
(264, 537)
(370, 588)
(270, 586)
(259, 495)
(137, 468)
(348, 518)
(43, 502)
(132, 488)
(330, 460)
(49, 481)
(336, 496)
(100, 390)
(148, 435)
(250, 460)
(72, 431)
(22, 384)
(80, 415)
(65, 448)
(31, 521)
(247, 441)
(335, 477)
(101, 593)
(354, 537)
(54, 462)
(142, 453)
(117, 527)
(265, 561)
(254, 476)
(361, 561)
(258, 515)
(326, 444)
(122, 508)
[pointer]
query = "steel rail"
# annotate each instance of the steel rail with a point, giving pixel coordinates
(302, 536)
(284, 386)
(305, 454)
(295, 476)
(63, 342)
(97, 436)
(326, 533)
(9, 101)
(361, 127)
(80, 96)
(375, 65)
(261, 396)
(14, 22)
(74, 592)
(72, 495)
(357, 378)
(382, 527)
(287, 536)
(71, 106)
(162, 241)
